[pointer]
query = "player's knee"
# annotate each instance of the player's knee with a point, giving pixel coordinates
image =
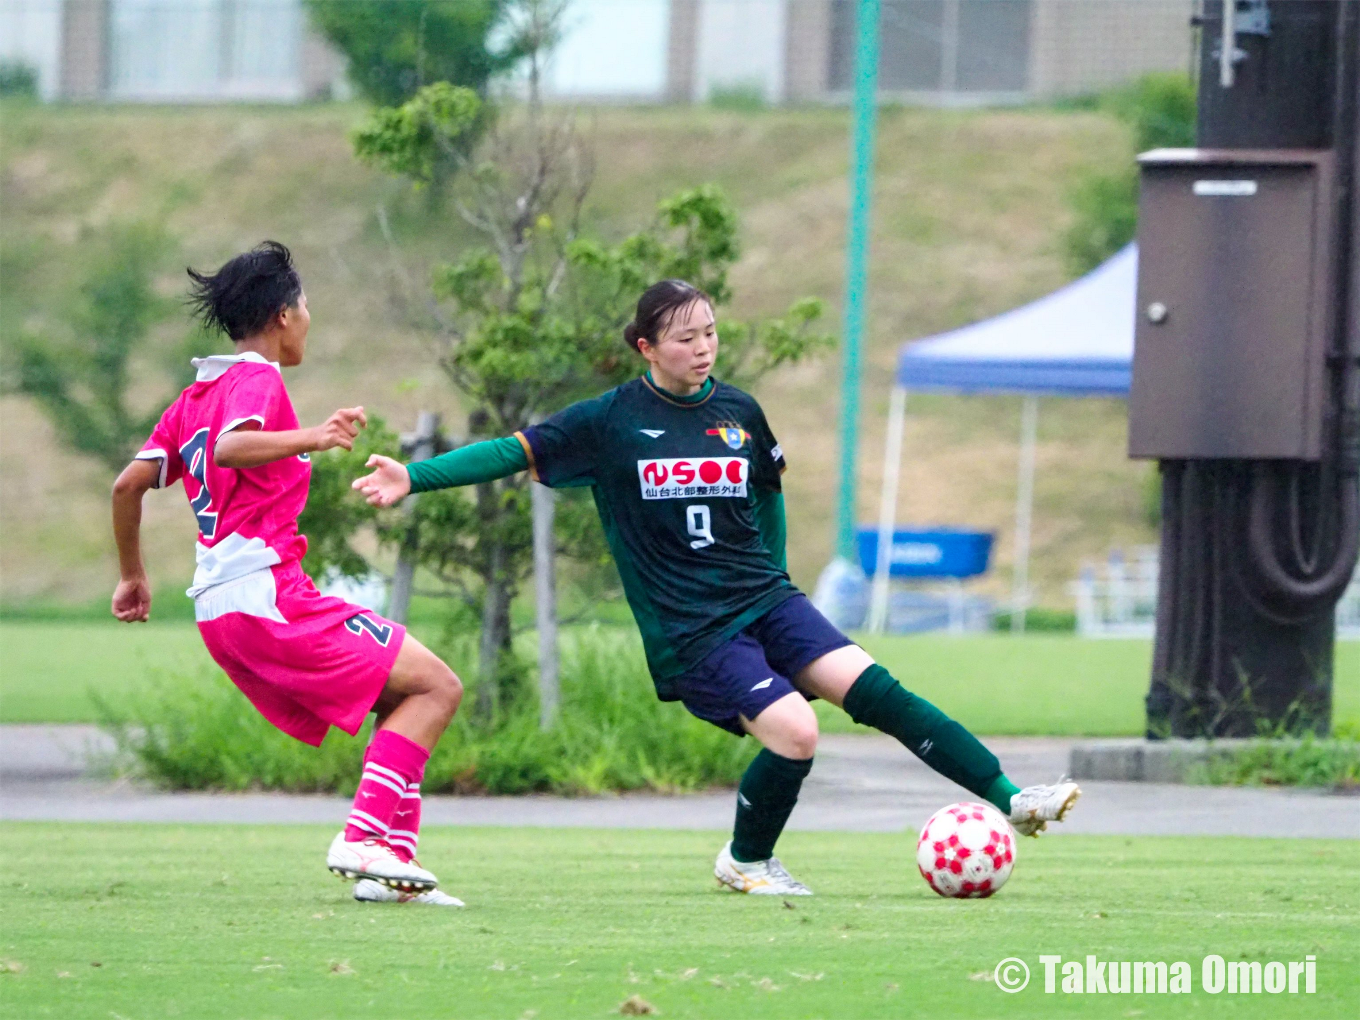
(801, 738)
(437, 684)
(446, 686)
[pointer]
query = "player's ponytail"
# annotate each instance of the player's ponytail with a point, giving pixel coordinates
(241, 297)
(657, 307)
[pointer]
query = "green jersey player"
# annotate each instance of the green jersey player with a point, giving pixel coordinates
(685, 473)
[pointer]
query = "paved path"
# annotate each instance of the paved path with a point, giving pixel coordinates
(860, 783)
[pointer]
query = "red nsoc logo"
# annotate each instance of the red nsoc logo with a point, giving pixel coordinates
(709, 476)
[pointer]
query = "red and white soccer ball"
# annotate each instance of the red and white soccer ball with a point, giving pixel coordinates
(966, 851)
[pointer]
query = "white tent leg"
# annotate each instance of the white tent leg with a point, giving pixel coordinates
(1024, 512)
(887, 510)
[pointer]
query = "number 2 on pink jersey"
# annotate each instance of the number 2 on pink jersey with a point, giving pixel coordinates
(194, 454)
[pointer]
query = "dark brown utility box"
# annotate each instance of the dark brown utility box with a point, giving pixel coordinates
(1235, 253)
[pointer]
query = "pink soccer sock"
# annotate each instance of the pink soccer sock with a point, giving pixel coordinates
(391, 763)
(405, 832)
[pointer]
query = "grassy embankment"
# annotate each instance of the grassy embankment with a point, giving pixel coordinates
(969, 210)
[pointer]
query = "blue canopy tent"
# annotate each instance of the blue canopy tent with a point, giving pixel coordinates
(1076, 342)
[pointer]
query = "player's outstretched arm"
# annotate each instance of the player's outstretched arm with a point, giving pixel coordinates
(388, 482)
(468, 465)
(132, 597)
(248, 446)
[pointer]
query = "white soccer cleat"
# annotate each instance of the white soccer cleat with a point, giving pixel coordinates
(368, 891)
(760, 878)
(372, 858)
(1035, 806)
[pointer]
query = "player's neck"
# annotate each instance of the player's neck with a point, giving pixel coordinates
(677, 388)
(266, 345)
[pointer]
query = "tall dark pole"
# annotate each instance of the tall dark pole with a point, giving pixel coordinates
(1255, 554)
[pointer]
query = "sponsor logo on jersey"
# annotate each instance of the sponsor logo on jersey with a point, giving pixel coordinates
(689, 477)
(731, 433)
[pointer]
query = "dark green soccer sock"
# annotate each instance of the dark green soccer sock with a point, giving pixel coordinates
(999, 794)
(765, 799)
(877, 700)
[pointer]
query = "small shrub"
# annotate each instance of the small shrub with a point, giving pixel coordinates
(1040, 620)
(198, 732)
(1160, 111)
(1309, 761)
(738, 97)
(1105, 218)
(18, 81)
(1152, 499)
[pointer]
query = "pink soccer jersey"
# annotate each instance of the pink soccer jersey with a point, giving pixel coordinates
(247, 518)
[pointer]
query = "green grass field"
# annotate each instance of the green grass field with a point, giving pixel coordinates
(1039, 684)
(205, 922)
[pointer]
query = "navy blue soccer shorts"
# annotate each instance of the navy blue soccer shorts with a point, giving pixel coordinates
(750, 672)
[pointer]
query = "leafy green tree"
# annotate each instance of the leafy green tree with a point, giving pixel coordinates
(18, 80)
(396, 46)
(1160, 110)
(82, 381)
(532, 320)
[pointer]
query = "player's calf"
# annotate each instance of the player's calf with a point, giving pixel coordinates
(421, 696)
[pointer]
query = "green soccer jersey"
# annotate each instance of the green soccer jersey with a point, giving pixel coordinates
(677, 483)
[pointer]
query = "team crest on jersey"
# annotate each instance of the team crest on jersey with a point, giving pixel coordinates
(731, 433)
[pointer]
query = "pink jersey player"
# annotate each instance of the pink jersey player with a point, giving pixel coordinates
(307, 661)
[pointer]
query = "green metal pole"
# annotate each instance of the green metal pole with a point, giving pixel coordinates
(857, 262)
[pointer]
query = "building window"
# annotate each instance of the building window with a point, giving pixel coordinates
(205, 49)
(942, 46)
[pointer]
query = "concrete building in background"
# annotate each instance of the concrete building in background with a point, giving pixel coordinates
(170, 50)
(952, 52)
(945, 52)
(948, 52)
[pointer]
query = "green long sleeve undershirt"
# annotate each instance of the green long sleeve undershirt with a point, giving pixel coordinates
(469, 465)
(497, 458)
(769, 510)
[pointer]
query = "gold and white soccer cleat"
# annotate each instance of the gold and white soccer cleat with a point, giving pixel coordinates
(368, 891)
(372, 858)
(1035, 806)
(760, 878)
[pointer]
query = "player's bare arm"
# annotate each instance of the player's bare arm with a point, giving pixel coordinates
(249, 446)
(132, 597)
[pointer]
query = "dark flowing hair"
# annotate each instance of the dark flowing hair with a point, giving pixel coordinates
(241, 297)
(656, 308)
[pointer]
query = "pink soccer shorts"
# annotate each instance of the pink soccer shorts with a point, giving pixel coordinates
(314, 662)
